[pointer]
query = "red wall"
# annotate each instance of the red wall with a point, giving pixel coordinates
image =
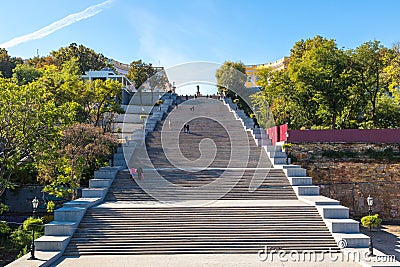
(278, 134)
(345, 136)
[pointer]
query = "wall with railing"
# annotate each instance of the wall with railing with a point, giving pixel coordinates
(281, 133)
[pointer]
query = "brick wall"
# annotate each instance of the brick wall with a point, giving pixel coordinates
(351, 172)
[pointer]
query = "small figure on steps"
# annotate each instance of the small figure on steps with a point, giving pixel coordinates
(140, 173)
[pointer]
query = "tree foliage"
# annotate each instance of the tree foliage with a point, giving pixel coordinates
(83, 148)
(29, 123)
(230, 80)
(139, 72)
(38, 103)
(7, 63)
(87, 58)
(324, 86)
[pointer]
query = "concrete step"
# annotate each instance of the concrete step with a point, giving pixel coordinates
(60, 228)
(271, 148)
(105, 174)
(99, 183)
(342, 225)
(333, 211)
(83, 202)
(278, 161)
(52, 243)
(300, 180)
(295, 172)
(306, 190)
(356, 240)
(94, 192)
(68, 214)
(319, 200)
(276, 154)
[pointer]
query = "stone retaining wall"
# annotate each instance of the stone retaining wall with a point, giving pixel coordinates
(351, 172)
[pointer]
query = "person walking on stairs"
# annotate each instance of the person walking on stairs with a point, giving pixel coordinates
(140, 173)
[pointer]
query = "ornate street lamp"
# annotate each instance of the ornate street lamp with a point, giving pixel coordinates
(370, 202)
(35, 204)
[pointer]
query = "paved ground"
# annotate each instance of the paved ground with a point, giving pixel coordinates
(387, 240)
(226, 260)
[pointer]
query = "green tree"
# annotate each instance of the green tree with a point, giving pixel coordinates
(83, 148)
(139, 72)
(276, 96)
(392, 73)
(102, 102)
(7, 63)
(323, 71)
(26, 74)
(87, 58)
(29, 124)
(371, 59)
(231, 80)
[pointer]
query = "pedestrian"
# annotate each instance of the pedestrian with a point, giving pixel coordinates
(187, 129)
(140, 172)
(184, 128)
(169, 124)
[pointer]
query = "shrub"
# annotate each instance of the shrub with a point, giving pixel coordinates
(50, 206)
(33, 224)
(3, 208)
(371, 221)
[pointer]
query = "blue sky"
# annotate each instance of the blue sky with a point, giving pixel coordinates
(177, 31)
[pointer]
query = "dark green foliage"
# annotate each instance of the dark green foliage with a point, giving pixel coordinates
(324, 86)
(87, 58)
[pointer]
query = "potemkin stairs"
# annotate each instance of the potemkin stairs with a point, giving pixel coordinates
(220, 189)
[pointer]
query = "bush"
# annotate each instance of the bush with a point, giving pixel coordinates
(33, 224)
(50, 206)
(371, 221)
(4, 228)
(3, 208)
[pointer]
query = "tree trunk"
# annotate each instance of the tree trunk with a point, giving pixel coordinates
(333, 123)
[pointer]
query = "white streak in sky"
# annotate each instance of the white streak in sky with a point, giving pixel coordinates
(55, 26)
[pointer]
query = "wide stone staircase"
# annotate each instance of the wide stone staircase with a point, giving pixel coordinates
(245, 203)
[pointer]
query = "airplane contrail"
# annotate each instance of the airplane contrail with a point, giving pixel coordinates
(59, 24)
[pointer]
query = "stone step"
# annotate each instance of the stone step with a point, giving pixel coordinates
(262, 142)
(300, 180)
(105, 174)
(99, 183)
(295, 172)
(333, 211)
(319, 200)
(94, 192)
(52, 243)
(356, 240)
(68, 214)
(60, 228)
(306, 190)
(342, 225)
(276, 154)
(279, 161)
(82, 202)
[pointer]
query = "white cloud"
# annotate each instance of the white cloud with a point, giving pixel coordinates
(55, 26)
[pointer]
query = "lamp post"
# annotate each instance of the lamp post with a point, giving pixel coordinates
(370, 202)
(35, 203)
